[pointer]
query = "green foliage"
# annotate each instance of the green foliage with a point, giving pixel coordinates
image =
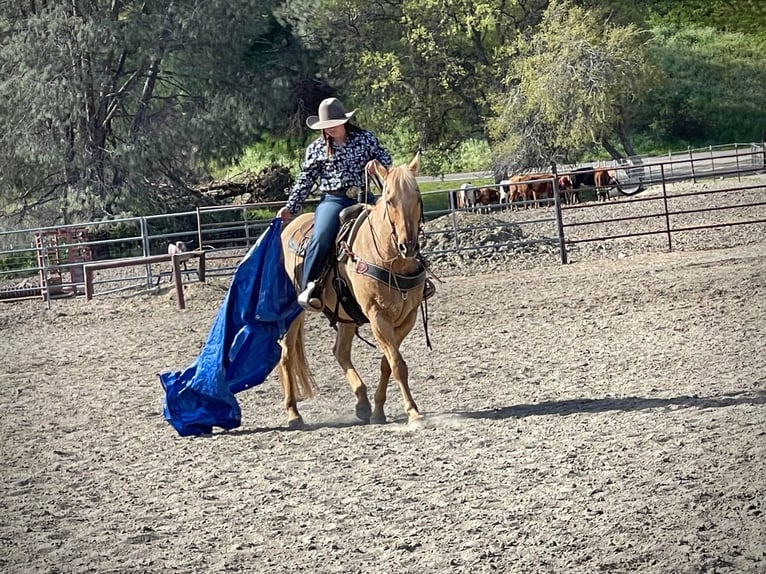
(261, 214)
(572, 85)
(469, 155)
(124, 108)
(18, 261)
(401, 142)
(425, 66)
(734, 16)
(725, 106)
(112, 108)
(267, 151)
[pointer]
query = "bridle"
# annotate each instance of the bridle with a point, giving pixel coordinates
(393, 234)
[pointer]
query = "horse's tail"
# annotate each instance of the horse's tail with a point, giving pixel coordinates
(294, 367)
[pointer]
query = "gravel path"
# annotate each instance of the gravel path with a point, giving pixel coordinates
(603, 416)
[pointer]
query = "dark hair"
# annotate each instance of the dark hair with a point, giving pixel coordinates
(350, 128)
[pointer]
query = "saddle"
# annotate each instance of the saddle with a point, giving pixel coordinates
(351, 219)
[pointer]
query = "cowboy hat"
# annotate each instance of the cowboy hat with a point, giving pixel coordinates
(331, 114)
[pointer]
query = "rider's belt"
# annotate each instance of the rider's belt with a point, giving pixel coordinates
(351, 192)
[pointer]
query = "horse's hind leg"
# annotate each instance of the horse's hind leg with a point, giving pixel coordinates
(342, 350)
(293, 369)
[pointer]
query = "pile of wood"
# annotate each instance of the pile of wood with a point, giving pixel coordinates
(272, 183)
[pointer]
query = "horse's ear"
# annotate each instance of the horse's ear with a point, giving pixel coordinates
(415, 164)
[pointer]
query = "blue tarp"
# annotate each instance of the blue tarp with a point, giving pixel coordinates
(242, 347)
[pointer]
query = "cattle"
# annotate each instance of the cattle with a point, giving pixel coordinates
(613, 178)
(527, 186)
(604, 179)
(567, 192)
(509, 193)
(504, 191)
(537, 187)
(541, 189)
(582, 176)
(173, 249)
(517, 191)
(486, 196)
(177, 247)
(466, 196)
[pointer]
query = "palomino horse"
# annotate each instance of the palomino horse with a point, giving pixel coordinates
(386, 278)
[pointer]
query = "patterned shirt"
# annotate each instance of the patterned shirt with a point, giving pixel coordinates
(344, 169)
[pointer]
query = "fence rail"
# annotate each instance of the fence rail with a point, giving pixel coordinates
(48, 263)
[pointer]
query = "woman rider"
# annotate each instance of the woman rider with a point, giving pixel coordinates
(336, 162)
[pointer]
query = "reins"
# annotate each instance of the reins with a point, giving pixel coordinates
(393, 279)
(395, 240)
(382, 187)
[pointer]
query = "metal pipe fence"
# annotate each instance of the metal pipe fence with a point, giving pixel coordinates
(47, 262)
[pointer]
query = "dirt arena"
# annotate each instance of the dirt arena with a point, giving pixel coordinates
(604, 416)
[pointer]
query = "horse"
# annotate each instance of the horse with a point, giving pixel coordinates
(385, 275)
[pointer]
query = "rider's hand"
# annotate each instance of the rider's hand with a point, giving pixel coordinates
(284, 214)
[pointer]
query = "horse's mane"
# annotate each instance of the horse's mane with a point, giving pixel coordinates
(402, 178)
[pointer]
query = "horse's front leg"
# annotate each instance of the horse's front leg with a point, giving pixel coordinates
(393, 364)
(379, 413)
(342, 350)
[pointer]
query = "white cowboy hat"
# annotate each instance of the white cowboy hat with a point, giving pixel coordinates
(331, 114)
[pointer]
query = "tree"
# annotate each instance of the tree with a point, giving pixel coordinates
(572, 86)
(424, 68)
(117, 106)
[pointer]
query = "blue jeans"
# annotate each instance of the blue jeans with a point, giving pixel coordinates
(322, 242)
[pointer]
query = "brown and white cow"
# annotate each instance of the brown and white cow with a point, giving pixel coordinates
(567, 191)
(466, 196)
(486, 196)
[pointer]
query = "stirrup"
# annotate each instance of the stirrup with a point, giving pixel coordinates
(429, 290)
(308, 301)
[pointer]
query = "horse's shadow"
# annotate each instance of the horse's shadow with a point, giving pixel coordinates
(579, 406)
(560, 408)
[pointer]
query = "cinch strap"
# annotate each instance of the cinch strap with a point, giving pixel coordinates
(401, 282)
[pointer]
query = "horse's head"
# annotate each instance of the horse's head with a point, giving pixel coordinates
(403, 206)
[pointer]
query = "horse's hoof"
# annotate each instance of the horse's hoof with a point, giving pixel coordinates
(378, 420)
(295, 423)
(363, 413)
(417, 421)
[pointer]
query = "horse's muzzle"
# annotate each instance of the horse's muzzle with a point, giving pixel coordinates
(409, 249)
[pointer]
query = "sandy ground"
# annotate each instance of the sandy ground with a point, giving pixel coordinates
(604, 416)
